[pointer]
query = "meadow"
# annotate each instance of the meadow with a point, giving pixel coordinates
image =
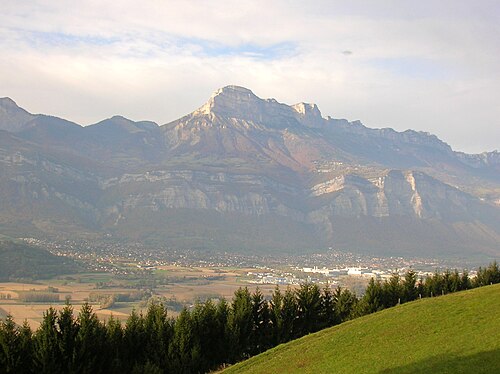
(456, 333)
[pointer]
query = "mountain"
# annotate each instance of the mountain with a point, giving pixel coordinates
(244, 173)
(12, 117)
(458, 338)
(19, 261)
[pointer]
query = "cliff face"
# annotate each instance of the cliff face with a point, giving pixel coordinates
(246, 173)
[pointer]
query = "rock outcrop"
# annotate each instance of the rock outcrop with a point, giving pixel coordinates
(241, 172)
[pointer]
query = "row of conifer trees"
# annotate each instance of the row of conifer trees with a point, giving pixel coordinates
(209, 335)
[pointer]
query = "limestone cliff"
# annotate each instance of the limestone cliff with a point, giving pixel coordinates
(242, 172)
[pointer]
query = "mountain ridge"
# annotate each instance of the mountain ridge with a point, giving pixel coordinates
(258, 161)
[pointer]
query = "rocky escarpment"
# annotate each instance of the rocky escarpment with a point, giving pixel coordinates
(241, 172)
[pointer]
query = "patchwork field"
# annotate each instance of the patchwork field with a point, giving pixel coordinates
(176, 286)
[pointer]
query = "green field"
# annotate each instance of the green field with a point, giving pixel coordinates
(456, 333)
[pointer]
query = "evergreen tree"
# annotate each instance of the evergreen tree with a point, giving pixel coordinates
(25, 344)
(446, 282)
(487, 276)
(47, 358)
(289, 316)
(222, 348)
(410, 291)
(392, 291)
(494, 273)
(434, 285)
(465, 281)
(89, 342)
(114, 345)
(68, 329)
(455, 282)
(372, 300)
(241, 324)
(344, 302)
(10, 350)
(134, 340)
(261, 336)
(309, 308)
(158, 333)
(328, 315)
(184, 350)
(204, 320)
(276, 319)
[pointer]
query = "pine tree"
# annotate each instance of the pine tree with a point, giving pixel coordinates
(309, 308)
(114, 345)
(434, 285)
(289, 316)
(392, 291)
(410, 291)
(465, 282)
(489, 275)
(10, 352)
(240, 324)
(328, 317)
(47, 357)
(68, 329)
(344, 302)
(446, 282)
(276, 318)
(134, 340)
(204, 322)
(90, 342)
(25, 345)
(222, 349)
(261, 337)
(158, 333)
(184, 350)
(455, 281)
(372, 300)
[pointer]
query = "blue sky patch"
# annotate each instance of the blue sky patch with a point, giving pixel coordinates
(61, 39)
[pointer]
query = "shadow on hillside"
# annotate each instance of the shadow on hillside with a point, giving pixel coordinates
(483, 362)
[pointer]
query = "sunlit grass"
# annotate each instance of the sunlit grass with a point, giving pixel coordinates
(458, 333)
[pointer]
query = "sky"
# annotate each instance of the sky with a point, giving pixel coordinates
(426, 65)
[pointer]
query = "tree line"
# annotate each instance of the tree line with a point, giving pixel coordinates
(211, 334)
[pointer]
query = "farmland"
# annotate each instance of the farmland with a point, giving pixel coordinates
(176, 286)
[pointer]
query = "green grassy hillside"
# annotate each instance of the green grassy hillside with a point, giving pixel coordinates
(457, 333)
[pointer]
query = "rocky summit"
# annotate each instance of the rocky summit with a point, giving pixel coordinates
(244, 173)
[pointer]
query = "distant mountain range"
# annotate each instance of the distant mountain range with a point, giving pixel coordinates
(246, 174)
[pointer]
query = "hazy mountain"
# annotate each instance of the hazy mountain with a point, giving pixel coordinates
(12, 118)
(243, 173)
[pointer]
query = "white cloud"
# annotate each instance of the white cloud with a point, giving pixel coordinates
(424, 67)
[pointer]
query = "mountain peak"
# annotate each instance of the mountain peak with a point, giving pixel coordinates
(241, 103)
(307, 109)
(309, 114)
(230, 100)
(233, 90)
(7, 102)
(12, 117)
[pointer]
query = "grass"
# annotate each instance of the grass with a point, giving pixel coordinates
(457, 333)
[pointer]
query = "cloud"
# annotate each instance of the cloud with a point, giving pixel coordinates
(427, 66)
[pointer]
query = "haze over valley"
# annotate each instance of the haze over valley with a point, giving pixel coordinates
(243, 173)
